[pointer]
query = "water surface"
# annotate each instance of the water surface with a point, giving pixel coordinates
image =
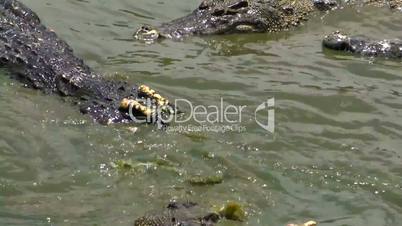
(335, 154)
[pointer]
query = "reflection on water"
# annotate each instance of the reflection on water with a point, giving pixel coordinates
(335, 155)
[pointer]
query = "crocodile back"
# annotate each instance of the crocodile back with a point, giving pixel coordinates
(35, 54)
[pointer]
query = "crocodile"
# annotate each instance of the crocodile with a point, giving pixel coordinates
(232, 16)
(191, 214)
(214, 17)
(36, 56)
(179, 213)
(389, 49)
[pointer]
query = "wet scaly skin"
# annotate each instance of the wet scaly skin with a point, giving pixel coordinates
(36, 56)
(389, 49)
(214, 17)
(245, 16)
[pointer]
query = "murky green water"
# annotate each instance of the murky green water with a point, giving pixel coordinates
(335, 154)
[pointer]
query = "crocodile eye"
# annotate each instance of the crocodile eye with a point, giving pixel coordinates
(222, 12)
(203, 5)
(219, 12)
(239, 5)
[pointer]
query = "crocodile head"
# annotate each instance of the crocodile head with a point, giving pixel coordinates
(183, 214)
(342, 42)
(218, 17)
(119, 102)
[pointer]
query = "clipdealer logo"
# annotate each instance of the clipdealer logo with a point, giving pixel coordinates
(268, 107)
(220, 117)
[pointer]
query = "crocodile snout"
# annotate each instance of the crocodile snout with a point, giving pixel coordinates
(147, 33)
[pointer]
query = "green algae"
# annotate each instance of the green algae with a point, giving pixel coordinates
(196, 137)
(233, 211)
(205, 180)
(133, 167)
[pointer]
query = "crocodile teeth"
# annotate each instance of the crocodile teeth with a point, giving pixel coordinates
(129, 104)
(244, 27)
(160, 101)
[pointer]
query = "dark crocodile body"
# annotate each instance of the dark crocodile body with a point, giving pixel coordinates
(239, 16)
(391, 49)
(36, 56)
(214, 17)
(233, 16)
(179, 214)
